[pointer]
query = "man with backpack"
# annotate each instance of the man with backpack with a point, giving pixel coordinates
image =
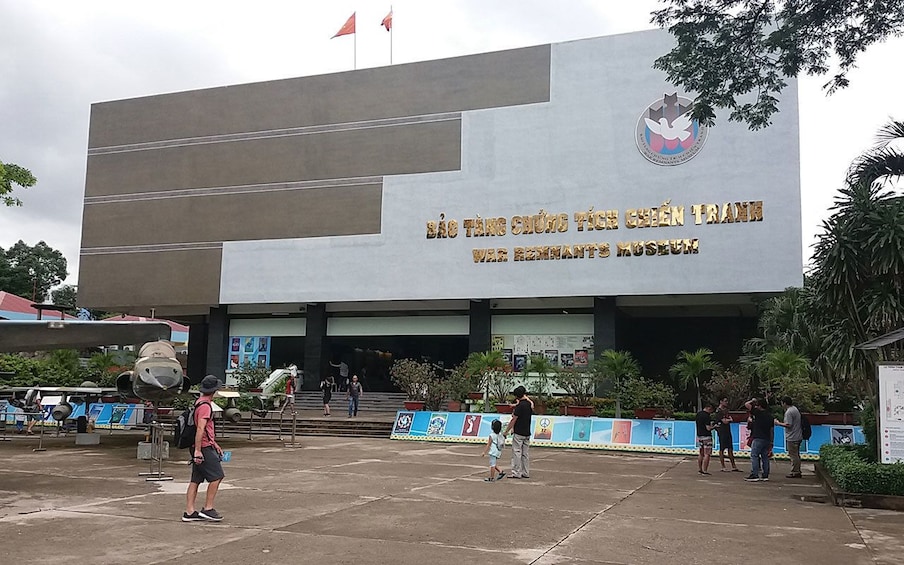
(206, 456)
(794, 435)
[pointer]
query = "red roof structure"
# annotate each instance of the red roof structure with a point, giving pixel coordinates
(14, 307)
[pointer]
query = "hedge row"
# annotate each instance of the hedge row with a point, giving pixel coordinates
(849, 467)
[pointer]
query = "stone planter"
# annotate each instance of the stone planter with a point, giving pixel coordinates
(817, 418)
(454, 406)
(504, 408)
(643, 413)
(839, 418)
(475, 396)
(414, 405)
(579, 410)
(738, 416)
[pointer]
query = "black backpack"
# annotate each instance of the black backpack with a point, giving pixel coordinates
(184, 429)
(805, 427)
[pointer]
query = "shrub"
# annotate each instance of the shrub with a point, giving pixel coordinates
(733, 384)
(854, 474)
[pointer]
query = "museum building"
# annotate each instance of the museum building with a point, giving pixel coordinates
(552, 200)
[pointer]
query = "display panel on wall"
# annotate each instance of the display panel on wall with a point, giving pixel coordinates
(254, 350)
(565, 351)
(660, 436)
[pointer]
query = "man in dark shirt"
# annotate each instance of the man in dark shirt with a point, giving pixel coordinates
(520, 425)
(760, 426)
(705, 426)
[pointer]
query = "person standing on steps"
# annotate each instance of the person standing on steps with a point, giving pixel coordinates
(353, 395)
(326, 385)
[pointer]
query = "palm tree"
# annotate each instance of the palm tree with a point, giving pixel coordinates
(615, 366)
(858, 274)
(544, 369)
(780, 363)
(483, 365)
(690, 367)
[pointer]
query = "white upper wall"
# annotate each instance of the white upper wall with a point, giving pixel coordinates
(576, 152)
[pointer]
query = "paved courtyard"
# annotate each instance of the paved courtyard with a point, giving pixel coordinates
(336, 500)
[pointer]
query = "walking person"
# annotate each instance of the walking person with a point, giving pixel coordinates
(726, 440)
(326, 386)
(760, 425)
(495, 444)
(794, 435)
(33, 410)
(519, 425)
(291, 384)
(353, 395)
(206, 457)
(705, 427)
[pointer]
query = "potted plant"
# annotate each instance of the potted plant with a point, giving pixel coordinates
(580, 387)
(690, 367)
(480, 365)
(412, 376)
(459, 386)
(613, 368)
(499, 385)
(537, 374)
(735, 385)
(647, 398)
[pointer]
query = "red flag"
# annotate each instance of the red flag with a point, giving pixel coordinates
(387, 21)
(348, 28)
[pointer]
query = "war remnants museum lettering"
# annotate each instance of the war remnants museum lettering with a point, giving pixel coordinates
(664, 215)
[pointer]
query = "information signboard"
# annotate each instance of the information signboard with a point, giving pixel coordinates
(891, 412)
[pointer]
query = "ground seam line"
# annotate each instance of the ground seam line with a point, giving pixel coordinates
(603, 511)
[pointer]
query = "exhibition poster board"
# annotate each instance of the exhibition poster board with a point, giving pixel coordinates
(891, 412)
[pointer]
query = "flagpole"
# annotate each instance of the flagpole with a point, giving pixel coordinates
(355, 56)
(390, 37)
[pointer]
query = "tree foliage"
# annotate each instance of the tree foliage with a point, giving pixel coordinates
(66, 295)
(30, 272)
(690, 367)
(858, 274)
(614, 367)
(738, 54)
(12, 174)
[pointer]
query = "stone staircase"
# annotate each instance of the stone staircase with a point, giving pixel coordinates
(370, 402)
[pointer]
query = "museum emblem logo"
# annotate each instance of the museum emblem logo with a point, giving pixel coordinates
(666, 134)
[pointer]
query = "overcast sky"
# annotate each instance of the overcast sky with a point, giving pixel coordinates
(57, 57)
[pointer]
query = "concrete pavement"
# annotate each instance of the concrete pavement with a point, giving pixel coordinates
(339, 500)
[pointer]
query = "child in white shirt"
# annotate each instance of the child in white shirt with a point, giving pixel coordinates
(495, 443)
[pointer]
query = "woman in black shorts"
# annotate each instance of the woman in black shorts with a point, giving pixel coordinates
(326, 385)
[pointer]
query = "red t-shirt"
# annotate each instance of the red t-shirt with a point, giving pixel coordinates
(204, 410)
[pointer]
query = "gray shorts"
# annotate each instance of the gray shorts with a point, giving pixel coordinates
(210, 470)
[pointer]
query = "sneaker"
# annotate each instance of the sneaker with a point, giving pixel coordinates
(704, 473)
(500, 475)
(525, 476)
(515, 476)
(752, 478)
(211, 515)
(764, 479)
(488, 480)
(193, 517)
(793, 476)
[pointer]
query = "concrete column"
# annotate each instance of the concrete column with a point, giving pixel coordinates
(315, 335)
(481, 325)
(605, 325)
(217, 343)
(197, 351)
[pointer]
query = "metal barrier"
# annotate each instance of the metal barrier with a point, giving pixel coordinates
(158, 436)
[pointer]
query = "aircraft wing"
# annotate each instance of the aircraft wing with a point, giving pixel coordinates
(42, 335)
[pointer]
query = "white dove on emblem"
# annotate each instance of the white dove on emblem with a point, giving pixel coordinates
(678, 129)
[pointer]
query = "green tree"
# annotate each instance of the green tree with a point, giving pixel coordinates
(858, 274)
(690, 367)
(12, 174)
(614, 367)
(66, 295)
(738, 54)
(483, 365)
(31, 271)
